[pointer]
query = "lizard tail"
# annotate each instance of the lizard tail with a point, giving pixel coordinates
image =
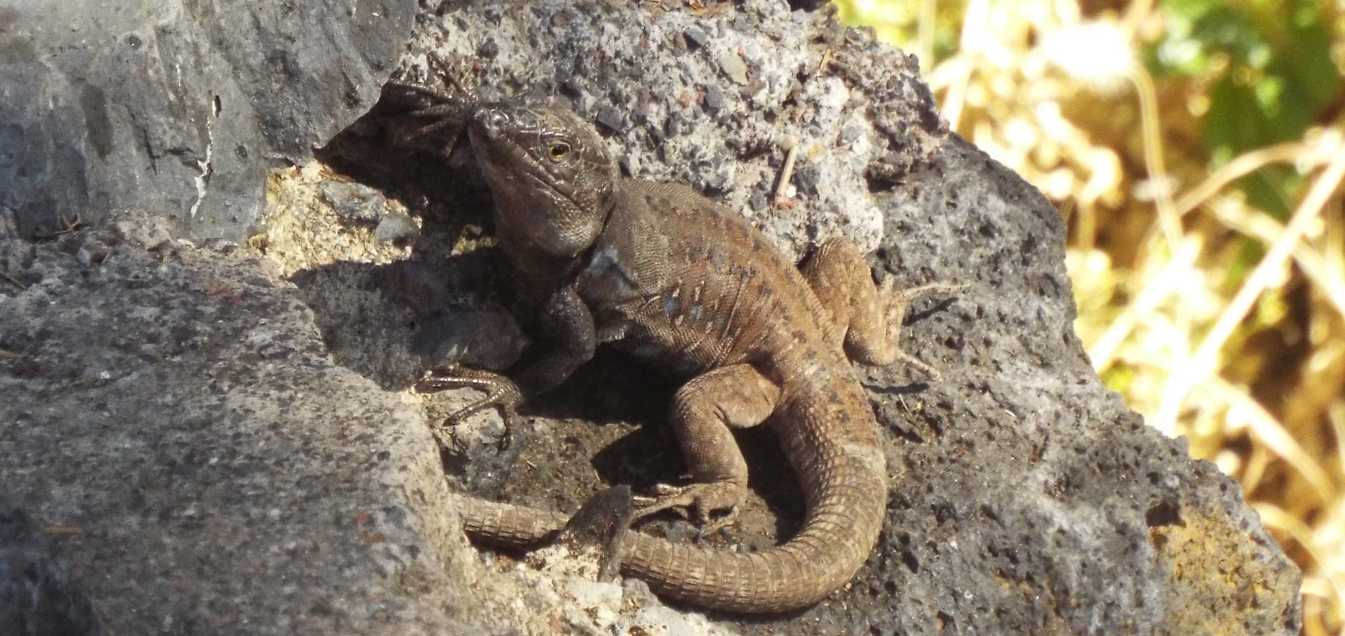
(840, 530)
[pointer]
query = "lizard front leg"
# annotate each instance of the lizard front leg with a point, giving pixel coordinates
(704, 412)
(568, 340)
(867, 317)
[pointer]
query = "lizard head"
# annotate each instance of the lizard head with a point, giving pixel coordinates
(550, 175)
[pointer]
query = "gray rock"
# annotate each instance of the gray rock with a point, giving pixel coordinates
(176, 106)
(714, 98)
(695, 37)
(1026, 497)
(725, 109)
(758, 201)
(354, 201)
(38, 595)
(239, 451)
(201, 464)
(396, 228)
(181, 411)
(732, 65)
(612, 119)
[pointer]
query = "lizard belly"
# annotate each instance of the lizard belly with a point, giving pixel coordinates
(649, 348)
(656, 340)
(694, 327)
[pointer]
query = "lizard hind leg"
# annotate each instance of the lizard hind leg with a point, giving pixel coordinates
(501, 394)
(866, 318)
(705, 410)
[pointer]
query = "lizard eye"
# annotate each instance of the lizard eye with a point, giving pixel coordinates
(558, 150)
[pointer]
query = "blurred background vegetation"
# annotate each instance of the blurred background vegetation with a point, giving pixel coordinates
(1195, 149)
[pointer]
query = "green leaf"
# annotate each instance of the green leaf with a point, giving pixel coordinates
(1270, 74)
(1273, 189)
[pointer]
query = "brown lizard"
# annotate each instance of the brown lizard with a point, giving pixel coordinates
(663, 272)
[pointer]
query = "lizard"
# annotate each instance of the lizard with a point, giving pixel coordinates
(662, 272)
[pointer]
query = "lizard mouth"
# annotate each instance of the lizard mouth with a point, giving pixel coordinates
(506, 165)
(495, 134)
(493, 122)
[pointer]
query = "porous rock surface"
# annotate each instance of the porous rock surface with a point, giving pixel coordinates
(176, 105)
(38, 591)
(712, 98)
(237, 424)
(183, 455)
(166, 404)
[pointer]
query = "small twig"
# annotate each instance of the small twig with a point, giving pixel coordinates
(1244, 164)
(1202, 364)
(1169, 220)
(929, 14)
(13, 281)
(67, 226)
(63, 531)
(786, 173)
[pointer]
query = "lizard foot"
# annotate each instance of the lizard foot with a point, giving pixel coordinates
(501, 394)
(704, 499)
(898, 300)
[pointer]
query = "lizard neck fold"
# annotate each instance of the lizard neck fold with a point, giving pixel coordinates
(629, 261)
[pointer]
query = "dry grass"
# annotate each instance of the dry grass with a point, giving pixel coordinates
(1215, 319)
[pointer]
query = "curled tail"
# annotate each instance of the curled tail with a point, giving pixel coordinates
(841, 528)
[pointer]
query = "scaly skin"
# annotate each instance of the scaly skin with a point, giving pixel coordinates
(664, 273)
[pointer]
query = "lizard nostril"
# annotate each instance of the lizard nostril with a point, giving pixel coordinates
(492, 120)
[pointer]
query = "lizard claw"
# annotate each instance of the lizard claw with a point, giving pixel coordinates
(662, 497)
(704, 499)
(709, 527)
(501, 394)
(898, 300)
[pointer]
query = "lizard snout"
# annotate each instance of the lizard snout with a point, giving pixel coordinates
(491, 121)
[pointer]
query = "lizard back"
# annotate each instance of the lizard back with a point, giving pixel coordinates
(717, 294)
(667, 274)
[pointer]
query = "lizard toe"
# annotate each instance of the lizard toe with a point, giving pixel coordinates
(709, 526)
(664, 497)
(702, 499)
(897, 302)
(501, 394)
